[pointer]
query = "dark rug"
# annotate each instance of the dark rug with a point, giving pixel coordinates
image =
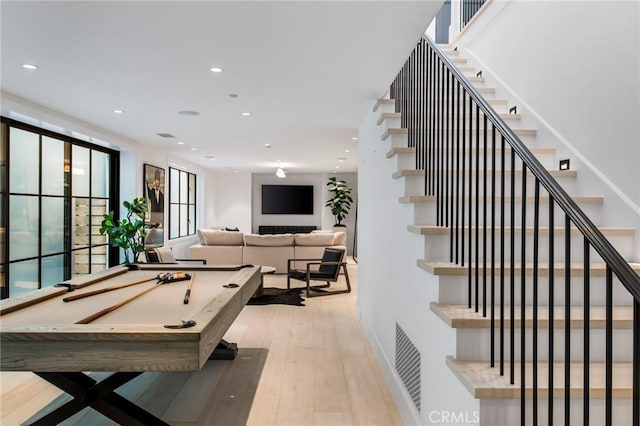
(280, 296)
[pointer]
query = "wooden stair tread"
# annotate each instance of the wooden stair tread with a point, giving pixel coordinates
(507, 173)
(507, 199)
(404, 131)
(394, 131)
(383, 101)
(460, 316)
(388, 116)
(400, 150)
(576, 269)
(442, 230)
(485, 382)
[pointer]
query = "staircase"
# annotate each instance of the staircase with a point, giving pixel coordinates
(519, 282)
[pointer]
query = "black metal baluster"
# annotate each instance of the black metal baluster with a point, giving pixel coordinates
(485, 222)
(609, 349)
(551, 308)
(459, 176)
(470, 227)
(493, 239)
(512, 267)
(587, 318)
(443, 171)
(463, 177)
(536, 236)
(447, 153)
(567, 319)
(636, 363)
(502, 223)
(477, 131)
(523, 273)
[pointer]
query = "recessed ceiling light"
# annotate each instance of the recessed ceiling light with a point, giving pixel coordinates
(216, 69)
(210, 157)
(30, 66)
(236, 171)
(267, 145)
(180, 143)
(246, 113)
(335, 171)
(118, 111)
(193, 149)
(189, 113)
(354, 138)
(347, 150)
(337, 167)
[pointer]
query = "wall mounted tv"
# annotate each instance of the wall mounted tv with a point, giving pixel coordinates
(287, 199)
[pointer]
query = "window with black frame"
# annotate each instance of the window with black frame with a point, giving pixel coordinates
(54, 190)
(182, 203)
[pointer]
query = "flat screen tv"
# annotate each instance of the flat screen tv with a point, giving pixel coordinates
(287, 199)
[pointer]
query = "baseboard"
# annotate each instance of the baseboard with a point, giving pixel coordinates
(402, 399)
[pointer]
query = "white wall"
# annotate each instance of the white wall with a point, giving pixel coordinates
(321, 217)
(574, 68)
(392, 289)
(231, 196)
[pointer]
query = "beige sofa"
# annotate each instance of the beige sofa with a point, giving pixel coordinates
(235, 248)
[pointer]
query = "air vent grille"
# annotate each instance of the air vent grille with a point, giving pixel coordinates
(408, 365)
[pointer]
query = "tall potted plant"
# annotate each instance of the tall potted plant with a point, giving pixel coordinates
(128, 233)
(341, 201)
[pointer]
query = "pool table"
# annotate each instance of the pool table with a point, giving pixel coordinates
(154, 330)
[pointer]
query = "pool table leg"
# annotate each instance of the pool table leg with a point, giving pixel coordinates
(225, 350)
(88, 392)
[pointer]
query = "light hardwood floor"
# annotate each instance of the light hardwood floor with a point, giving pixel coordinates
(297, 366)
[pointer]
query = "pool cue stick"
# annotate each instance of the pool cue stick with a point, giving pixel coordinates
(106, 289)
(115, 306)
(187, 294)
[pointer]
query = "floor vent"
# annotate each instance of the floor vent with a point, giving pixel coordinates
(408, 365)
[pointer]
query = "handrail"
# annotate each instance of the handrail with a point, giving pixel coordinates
(627, 276)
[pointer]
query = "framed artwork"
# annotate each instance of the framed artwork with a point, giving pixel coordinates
(154, 193)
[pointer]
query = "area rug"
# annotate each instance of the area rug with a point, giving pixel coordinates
(281, 296)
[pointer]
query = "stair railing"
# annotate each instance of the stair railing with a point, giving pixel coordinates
(453, 128)
(468, 8)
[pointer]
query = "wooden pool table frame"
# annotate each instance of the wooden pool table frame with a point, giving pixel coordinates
(61, 353)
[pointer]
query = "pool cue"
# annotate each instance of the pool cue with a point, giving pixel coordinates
(188, 292)
(106, 289)
(115, 306)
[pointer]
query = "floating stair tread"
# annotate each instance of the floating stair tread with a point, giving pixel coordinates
(407, 173)
(403, 131)
(440, 230)
(485, 382)
(576, 269)
(394, 131)
(459, 60)
(518, 200)
(518, 173)
(388, 116)
(460, 316)
(400, 150)
(383, 101)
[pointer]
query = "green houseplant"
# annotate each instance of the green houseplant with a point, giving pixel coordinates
(128, 233)
(341, 201)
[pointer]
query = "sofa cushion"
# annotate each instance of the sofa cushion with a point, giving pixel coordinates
(270, 240)
(314, 239)
(339, 238)
(213, 237)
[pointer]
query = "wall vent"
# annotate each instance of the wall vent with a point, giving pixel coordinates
(408, 365)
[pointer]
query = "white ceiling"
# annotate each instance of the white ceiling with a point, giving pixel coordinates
(307, 71)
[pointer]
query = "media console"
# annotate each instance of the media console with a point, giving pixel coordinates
(267, 229)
